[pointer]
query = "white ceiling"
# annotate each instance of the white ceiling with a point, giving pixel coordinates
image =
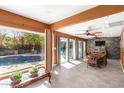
(47, 13)
(53, 13)
(97, 23)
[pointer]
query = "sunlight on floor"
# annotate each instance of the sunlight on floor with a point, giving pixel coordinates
(70, 64)
(67, 65)
(63, 59)
(56, 73)
(76, 62)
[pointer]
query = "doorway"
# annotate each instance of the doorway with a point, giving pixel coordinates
(63, 50)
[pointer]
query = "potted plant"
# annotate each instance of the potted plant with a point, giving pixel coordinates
(16, 77)
(34, 71)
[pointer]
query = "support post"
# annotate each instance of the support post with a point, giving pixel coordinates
(58, 51)
(55, 49)
(48, 50)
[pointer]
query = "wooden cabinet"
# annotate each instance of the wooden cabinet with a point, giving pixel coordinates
(122, 49)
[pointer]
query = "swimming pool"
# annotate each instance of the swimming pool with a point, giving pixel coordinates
(20, 59)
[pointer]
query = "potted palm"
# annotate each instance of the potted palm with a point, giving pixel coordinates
(34, 71)
(16, 77)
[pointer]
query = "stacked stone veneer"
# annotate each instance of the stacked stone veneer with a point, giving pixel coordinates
(112, 45)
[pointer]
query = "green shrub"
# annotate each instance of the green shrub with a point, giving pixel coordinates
(34, 69)
(16, 75)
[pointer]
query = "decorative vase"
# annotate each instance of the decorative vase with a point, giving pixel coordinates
(34, 75)
(15, 80)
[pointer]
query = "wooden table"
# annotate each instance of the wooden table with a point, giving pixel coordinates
(97, 59)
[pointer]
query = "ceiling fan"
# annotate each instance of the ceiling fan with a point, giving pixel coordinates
(89, 33)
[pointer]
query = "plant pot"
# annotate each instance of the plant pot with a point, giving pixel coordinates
(34, 75)
(15, 81)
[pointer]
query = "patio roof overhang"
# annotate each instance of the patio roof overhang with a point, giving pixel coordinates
(93, 13)
(17, 21)
(21, 22)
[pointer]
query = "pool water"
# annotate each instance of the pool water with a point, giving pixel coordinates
(21, 59)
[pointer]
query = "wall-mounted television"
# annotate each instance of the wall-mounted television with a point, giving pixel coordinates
(99, 43)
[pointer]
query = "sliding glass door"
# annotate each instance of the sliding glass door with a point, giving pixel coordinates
(63, 49)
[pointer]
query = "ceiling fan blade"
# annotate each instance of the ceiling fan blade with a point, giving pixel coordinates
(81, 34)
(92, 29)
(93, 34)
(81, 30)
(96, 32)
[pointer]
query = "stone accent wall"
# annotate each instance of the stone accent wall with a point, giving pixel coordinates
(112, 45)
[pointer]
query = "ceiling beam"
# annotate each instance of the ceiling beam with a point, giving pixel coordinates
(60, 34)
(21, 22)
(93, 13)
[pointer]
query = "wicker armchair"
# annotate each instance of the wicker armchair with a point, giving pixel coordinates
(91, 61)
(95, 62)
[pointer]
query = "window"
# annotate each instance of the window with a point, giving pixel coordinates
(20, 49)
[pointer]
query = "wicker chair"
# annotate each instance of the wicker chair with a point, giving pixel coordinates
(91, 61)
(94, 62)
